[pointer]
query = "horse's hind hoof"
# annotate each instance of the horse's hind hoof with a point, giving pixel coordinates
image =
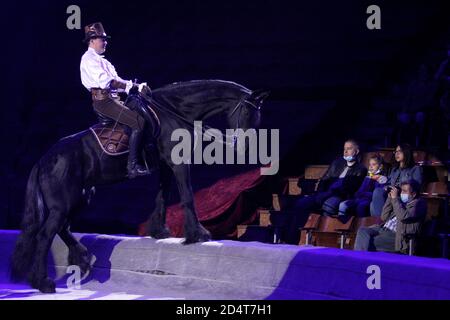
(85, 263)
(85, 267)
(46, 285)
(81, 259)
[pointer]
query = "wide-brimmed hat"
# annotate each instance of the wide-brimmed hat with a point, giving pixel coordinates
(94, 30)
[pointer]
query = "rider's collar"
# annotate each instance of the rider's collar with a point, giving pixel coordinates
(93, 50)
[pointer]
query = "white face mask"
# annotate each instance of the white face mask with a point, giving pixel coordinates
(349, 158)
(375, 172)
(404, 197)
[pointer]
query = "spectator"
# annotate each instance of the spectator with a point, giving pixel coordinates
(339, 183)
(375, 178)
(404, 169)
(402, 214)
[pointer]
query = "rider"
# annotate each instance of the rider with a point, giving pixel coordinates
(99, 76)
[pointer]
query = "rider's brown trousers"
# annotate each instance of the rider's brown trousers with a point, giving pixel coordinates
(115, 109)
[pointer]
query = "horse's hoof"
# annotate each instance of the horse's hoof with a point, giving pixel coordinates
(85, 264)
(201, 236)
(82, 260)
(45, 285)
(85, 267)
(189, 241)
(160, 234)
(204, 237)
(195, 240)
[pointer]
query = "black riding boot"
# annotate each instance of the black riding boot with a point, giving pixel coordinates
(133, 167)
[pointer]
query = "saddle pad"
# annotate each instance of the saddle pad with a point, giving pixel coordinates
(112, 138)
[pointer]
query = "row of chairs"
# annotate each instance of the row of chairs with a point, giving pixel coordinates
(340, 232)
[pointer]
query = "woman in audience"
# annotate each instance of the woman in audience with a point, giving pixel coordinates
(404, 169)
(360, 204)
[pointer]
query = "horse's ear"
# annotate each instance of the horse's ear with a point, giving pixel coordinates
(260, 95)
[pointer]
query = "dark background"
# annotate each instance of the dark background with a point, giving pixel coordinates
(323, 66)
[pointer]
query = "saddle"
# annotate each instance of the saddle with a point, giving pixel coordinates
(112, 137)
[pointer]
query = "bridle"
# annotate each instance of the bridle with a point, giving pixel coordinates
(244, 101)
(241, 103)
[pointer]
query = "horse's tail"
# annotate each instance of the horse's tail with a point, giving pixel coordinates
(22, 257)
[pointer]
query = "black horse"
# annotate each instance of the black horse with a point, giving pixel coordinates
(56, 188)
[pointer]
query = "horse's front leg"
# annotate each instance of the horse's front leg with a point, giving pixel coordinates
(193, 230)
(157, 222)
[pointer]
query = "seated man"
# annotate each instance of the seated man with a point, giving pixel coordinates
(339, 183)
(401, 214)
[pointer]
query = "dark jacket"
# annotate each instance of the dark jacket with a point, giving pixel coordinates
(398, 175)
(365, 191)
(409, 218)
(347, 186)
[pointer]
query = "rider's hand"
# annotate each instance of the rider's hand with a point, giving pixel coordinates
(134, 90)
(145, 90)
(141, 86)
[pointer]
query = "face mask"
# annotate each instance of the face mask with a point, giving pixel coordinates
(404, 197)
(349, 158)
(371, 173)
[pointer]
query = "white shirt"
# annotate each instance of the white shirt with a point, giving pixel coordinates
(97, 72)
(344, 172)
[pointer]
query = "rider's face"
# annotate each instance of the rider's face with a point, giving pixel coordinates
(99, 45)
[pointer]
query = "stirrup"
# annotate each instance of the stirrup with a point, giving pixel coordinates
(137, 170)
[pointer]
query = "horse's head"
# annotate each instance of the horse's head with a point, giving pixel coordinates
(198, 100)
(247, 113)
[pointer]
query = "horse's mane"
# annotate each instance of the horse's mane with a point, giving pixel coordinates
(201, 83)
(190, 97)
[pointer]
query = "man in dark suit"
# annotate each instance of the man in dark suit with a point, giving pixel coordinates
(339, 183)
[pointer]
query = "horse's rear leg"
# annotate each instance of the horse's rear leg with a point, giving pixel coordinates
(78, 253)
(157, 223)
(60, 199)
(39, 275)
(193, 230)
